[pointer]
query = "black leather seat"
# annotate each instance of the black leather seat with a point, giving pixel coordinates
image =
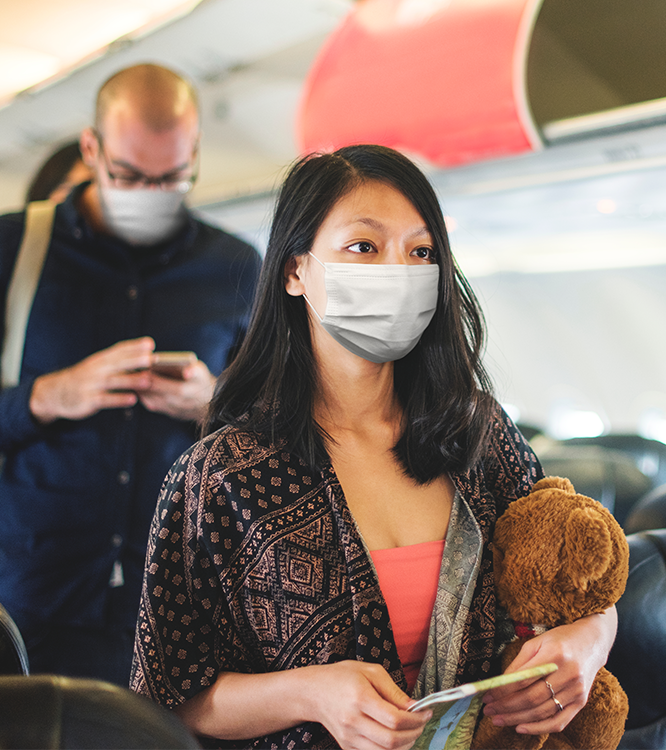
(648, 513)
(13, 654)
(48, 711)
(648, 455)
(608, 475)
(638, 658)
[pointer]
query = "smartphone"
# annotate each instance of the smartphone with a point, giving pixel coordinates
(172, 364)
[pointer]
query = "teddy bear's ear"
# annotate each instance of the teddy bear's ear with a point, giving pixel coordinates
(587, 546)
(558, 483)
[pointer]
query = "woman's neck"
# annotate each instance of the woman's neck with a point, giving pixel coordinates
(354, 393)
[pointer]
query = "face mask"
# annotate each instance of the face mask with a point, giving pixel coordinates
(142, 216)
(378, 312)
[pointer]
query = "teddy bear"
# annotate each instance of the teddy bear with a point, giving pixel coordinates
(559, 556)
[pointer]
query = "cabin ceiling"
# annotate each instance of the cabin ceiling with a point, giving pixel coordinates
(566, 247)
(247, 57)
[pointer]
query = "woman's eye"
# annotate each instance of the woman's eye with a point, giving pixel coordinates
(361, 247)
(423, 252)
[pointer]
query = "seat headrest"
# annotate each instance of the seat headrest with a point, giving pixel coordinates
(49, 711)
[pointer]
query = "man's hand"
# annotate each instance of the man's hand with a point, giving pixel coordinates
(105, 380)
(182, 399)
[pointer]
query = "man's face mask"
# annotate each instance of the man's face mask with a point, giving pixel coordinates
(142, 216)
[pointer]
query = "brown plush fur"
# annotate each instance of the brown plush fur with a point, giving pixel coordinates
(559, 556)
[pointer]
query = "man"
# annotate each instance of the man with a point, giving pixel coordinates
(90, 430)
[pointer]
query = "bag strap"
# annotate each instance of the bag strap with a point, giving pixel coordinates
(23, 285)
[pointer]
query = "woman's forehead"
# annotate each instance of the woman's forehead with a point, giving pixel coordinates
(376, 205)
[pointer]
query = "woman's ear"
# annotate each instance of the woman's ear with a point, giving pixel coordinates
(293, 276)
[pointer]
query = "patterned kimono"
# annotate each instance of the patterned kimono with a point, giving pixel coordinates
(255, 564)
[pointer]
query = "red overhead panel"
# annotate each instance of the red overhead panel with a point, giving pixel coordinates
(444, 79)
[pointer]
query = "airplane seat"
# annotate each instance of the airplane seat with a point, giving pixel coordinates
(649, 513)
(13, 654)
(607, 474)
(638, 657)
(50, 711)
(648, 455)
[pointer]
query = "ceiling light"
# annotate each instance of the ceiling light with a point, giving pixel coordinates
(49, 39)
(566, 424)
(22, 68)
(606, 206)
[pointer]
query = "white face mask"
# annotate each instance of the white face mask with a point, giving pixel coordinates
(142, 216)
(378, 311)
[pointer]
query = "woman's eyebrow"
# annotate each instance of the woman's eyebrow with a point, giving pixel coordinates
(420, 232)
(377, 225)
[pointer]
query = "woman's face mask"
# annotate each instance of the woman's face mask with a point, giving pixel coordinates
(379, 311)
(371, 281)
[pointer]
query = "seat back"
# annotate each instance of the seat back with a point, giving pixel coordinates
(649, 513)
(638, 657)
(605, 474)
(13, 654)
(52, 712)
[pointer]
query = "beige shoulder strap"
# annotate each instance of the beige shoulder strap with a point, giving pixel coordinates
(23, 285)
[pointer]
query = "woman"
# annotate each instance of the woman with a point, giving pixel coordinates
(355, 471)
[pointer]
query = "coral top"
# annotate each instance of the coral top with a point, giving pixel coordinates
(408, 578)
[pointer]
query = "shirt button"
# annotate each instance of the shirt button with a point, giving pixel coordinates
(132, 292)
(123, 477)
(78, 233)
(129, 414)
(116, 540)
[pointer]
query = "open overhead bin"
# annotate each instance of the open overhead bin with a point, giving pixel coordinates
(459, 81)
(597, 65)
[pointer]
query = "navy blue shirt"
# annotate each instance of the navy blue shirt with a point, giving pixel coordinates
(78, 496)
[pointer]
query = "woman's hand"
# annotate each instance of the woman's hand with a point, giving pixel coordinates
(357, 702)
(579, 650)
(363, 708)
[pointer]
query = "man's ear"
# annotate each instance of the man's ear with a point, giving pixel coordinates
(293, 279)
(89, 147)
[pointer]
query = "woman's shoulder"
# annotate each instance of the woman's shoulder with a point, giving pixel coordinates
(510, 466)
(226, 449)
(507, 440)
(230, 480)
(236, 458)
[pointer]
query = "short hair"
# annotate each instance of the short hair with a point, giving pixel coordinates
(442, 385)
(160, 95)
(53, 172)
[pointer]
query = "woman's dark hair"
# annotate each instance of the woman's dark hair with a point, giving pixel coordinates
(441, 384)
(53, 172)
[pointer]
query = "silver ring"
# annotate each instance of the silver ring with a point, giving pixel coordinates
(560, 707)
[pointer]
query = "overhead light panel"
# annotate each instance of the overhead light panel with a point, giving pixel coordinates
(21, 68)
(41, 40)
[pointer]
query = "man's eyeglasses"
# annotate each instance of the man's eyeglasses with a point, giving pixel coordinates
(178, 181)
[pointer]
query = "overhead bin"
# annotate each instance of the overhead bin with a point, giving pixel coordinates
(597, 65)
(459, 81)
